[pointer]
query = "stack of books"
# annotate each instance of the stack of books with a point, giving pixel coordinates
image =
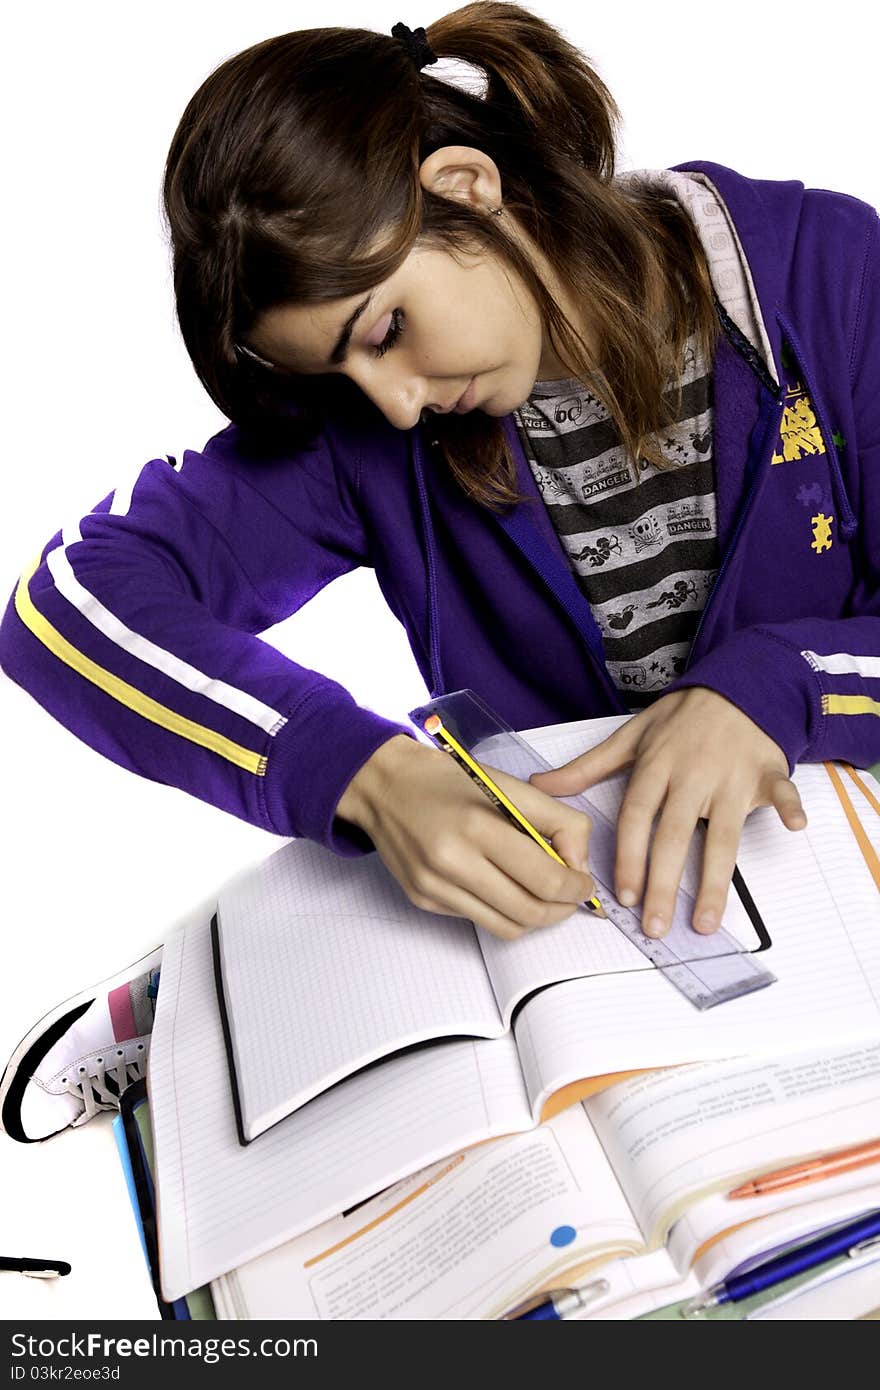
(358, 1110)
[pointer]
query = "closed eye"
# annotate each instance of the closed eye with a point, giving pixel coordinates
(394, 332)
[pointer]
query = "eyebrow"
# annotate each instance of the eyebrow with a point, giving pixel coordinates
(338, 354)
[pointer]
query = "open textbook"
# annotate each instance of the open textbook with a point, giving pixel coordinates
(645, 1167)
(221, 1203)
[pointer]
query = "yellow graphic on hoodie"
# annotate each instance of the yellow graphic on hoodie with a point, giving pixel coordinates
(821, 532)
(798, 434)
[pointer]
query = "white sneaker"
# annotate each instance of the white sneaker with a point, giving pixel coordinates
(78, 1059)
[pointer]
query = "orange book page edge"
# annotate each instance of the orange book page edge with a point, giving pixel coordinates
(589, 1086)
(863, 788)
(869, 854)
(728, 1231)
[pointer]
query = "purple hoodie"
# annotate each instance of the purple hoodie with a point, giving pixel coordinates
(138, 630)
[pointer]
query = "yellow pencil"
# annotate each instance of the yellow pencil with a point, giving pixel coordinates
(434, 726)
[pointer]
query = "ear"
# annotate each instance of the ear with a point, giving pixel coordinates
(461, 171)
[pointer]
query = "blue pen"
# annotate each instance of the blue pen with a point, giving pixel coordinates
(853, 1240)
(565, 1303)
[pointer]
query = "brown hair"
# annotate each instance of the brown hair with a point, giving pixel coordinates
(297, 155)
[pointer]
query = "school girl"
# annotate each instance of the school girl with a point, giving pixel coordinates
(610, 441)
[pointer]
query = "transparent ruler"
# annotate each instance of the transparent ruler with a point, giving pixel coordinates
(707, 970)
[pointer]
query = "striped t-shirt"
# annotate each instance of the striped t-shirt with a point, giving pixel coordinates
(644, 555)
(642, 541)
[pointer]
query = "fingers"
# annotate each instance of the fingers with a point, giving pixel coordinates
(726, 819)
(511, 885)
(639, 806)
(719, 861)
(567, 829)
(784, 796)
(668, 853)
(652, 869)
(535, 877)
(695, 755)
(477, 864)
(458, 879)
(595, 765)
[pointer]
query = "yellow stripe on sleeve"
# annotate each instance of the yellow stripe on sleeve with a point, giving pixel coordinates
(127, 694)
(850, 704)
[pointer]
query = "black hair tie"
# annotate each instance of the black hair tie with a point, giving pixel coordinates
(416, 44)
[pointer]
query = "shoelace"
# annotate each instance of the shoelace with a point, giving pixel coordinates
(99, 1081)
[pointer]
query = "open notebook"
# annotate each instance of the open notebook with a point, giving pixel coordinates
(324, 967)
(221, 1203)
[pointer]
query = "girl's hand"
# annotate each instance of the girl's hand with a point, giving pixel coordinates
(453, 852)
(694, 755)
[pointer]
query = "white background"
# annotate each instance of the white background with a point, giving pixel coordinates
(97, 862)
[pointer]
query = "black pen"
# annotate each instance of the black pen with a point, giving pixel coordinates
(35, 1269)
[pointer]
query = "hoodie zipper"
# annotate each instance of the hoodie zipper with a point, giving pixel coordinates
(848, 520)
(519, 530)
(430, 568)
(555, 575)
(746, 349)
(758, 474)
(776, 389)
(516, 529)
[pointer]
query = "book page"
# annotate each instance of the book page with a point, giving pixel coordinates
(584, 944)
(220, 1203)
(327, 966)
(470, 1237)
(711, 1238)
(821, 907)
(645, 1283)
(676, 1135)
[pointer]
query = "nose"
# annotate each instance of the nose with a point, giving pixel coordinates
(401, 396)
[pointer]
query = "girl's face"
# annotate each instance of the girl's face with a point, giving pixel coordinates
(441, 333)
(437, 330)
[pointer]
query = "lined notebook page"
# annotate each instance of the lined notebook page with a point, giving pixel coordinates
(822, 910)
(327, 966)
(220, 1203)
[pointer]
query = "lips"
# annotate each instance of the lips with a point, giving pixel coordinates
(466, 400)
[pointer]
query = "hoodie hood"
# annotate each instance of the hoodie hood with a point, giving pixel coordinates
(766, 214)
